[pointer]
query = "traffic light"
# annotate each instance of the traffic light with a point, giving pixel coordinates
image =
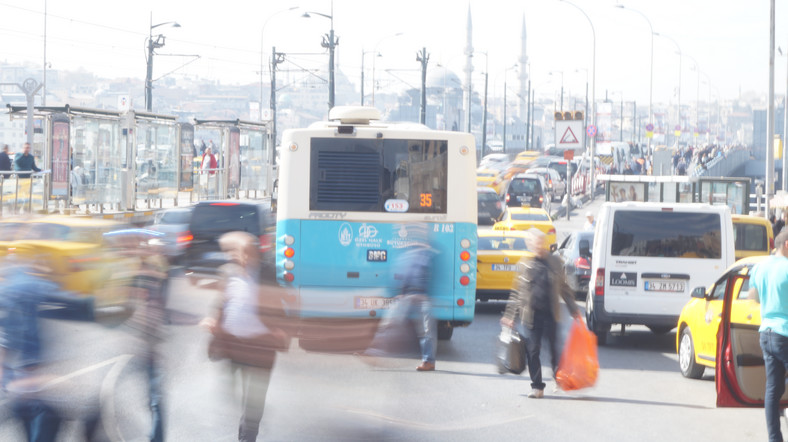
(568, 115)
(558, 116)
(579, 115)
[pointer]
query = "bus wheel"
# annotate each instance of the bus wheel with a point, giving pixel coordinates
(445, 330)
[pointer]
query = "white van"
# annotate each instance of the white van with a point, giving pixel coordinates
(647, 259)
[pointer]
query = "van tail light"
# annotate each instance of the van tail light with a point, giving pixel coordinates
(266, 242)
(551, 231)
(507, 197)
(582, 263)
(771, 243)
(185, 237)
(541, 199)
(599, 284)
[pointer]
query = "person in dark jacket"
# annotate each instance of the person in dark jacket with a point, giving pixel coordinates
(5, 160)
(534, 306)
(24, 161)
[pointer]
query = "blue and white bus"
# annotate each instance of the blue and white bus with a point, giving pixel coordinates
(348, 188)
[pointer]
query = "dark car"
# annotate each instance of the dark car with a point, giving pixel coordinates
(211, 219)
(561, 166)
(556, 186)
(527, 189)
(174, 224)
(575, 251)
(489, 206)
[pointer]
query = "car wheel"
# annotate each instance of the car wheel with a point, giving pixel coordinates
(659, 330)
(600, 329)
(689, 368)
(445, 331)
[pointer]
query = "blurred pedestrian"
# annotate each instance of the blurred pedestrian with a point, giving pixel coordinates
(5, 160)
(249, 327)
(412, 274)
(769, 286)
(590, 223)
(534, 306)
(24, 161)
(22, 351)
(209, 161)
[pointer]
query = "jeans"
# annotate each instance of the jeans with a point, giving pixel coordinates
(775, 357)
(544, 326)
(415, 309)
(254, 385)
(425, 326)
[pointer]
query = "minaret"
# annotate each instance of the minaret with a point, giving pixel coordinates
(468, 72)
(523, 61)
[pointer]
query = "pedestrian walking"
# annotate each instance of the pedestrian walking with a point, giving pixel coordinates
(24, 161)
(249, 327)
(412, 274)
(5, 160)
(590, 223)
(534, 306)
(769, 286)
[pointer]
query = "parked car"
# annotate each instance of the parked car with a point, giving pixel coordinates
(576, 252)
(211, 219)
(526, 218)
(489, 206)
(497, 253)
(174, 224)
(527, 189)
(696, 340)
(555, 184)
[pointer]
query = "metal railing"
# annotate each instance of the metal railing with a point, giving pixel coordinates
(18, 191)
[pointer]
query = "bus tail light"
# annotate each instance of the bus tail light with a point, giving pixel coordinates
(289, 277)
(582, 263)
(460, 302)
(465, 280)
(599, 285)
(289, 252)
(465, 255)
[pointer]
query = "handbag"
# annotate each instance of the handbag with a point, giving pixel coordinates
(579, 365)
(511, 352)
(258, 351)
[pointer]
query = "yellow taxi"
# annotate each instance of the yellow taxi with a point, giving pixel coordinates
(504, 176)
(696, 337)
(525, 218)
(73, 249)
(485, 177)
(527, 155)
(497, 253)
(753, 236)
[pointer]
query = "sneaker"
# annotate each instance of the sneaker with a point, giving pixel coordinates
(426, 366)
(536, 394)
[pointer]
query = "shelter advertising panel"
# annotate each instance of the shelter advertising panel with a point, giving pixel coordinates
(60, 155)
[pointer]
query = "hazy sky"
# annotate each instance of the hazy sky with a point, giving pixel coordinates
(729, 39)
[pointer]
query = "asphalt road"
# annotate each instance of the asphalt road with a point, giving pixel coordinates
(640, 394)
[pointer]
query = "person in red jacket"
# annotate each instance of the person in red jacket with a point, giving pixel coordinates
(208, 161)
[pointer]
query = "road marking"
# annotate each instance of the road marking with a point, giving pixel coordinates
(106, 397)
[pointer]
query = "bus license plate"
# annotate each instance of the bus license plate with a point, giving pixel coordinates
(664, 286)
(373, 302)
(504, 267)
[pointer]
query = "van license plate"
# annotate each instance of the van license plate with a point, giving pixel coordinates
(373, 302)
(664, 286)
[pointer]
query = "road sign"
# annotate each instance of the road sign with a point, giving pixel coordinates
(569, 134)
(649, 127)
(591, 130)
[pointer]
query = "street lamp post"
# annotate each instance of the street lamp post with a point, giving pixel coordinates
(363, 54)
(678, 100)
(374, 49)
(505, 77)
(651, 75)
(330, 43)
(151, 46)
(585, 113)
(593, 95)
(262, 53)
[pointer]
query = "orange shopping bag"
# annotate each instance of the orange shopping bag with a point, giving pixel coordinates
(579, 365)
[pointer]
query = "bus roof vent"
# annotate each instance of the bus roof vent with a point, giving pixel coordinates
(353, 114)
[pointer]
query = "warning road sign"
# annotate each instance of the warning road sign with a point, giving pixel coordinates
(568, 137)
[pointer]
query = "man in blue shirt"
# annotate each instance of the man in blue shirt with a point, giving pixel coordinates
(25, 161)
(769, 285)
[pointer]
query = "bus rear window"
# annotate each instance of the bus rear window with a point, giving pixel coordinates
(375, 175)
(667, 234)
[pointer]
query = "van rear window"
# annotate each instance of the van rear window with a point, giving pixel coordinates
(751, 237)
(667, 234)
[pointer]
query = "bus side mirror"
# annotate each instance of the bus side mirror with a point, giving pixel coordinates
(699, 292)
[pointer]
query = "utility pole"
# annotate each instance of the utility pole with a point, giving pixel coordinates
(276, 58)
(423, 58)
(528, 128)
(484, 115)
(504, 112)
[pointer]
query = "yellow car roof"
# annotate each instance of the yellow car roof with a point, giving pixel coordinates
(528, 210)
(502, 233)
